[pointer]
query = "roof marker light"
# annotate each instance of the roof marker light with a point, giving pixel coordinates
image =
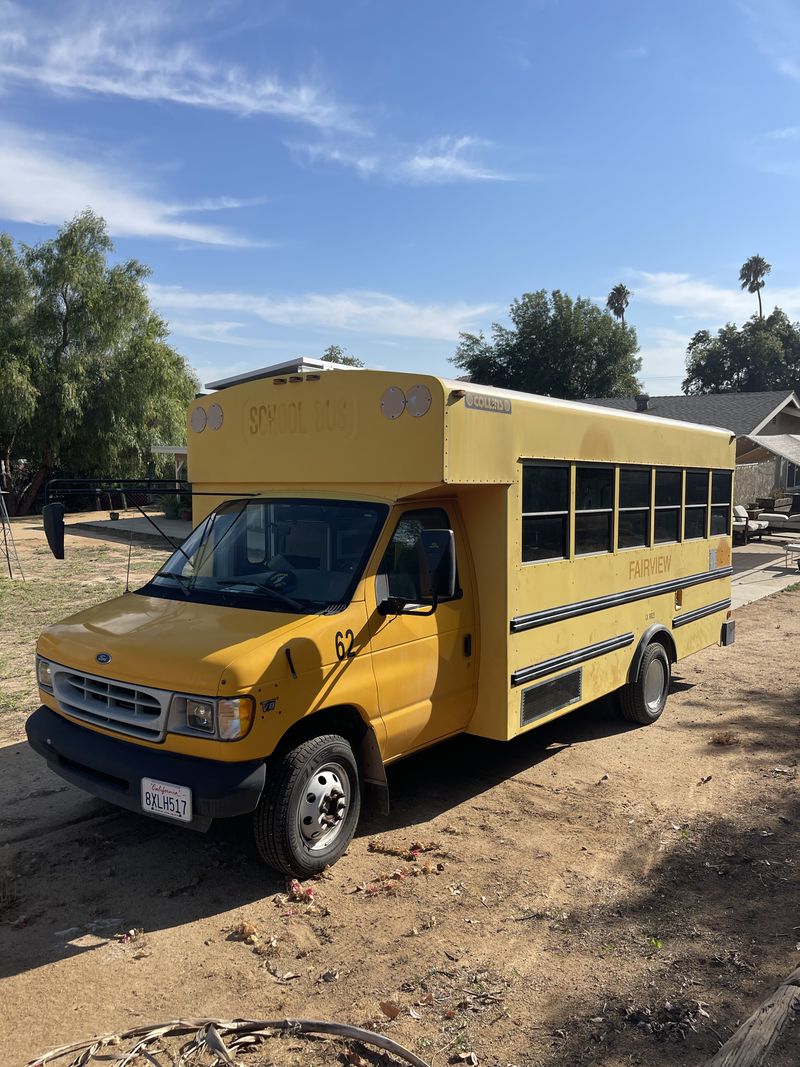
(393, 402)
(198, 419)
(419, 401)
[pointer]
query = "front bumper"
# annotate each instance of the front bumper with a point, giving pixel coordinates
(113, 770)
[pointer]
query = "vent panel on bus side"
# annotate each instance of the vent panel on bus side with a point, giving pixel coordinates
(547, 697)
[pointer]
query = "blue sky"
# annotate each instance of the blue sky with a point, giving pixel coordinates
(381, 176)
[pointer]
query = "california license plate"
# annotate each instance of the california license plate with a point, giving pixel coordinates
(167, 799)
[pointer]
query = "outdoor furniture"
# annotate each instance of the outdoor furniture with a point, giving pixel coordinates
(792, 553)
(780, 522)
(756, 528)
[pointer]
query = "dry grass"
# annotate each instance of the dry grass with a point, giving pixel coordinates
(93, 571)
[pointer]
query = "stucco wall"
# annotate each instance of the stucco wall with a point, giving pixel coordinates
(754, 480)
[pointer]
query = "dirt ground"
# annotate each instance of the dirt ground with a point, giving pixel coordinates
(593, 893)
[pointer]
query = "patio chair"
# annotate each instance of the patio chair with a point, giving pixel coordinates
(755, 528)
(739, 531)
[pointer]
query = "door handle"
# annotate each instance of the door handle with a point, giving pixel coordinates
(467, 644)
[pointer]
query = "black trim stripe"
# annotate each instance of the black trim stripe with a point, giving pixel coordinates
(700, 613)
(586, 607)
(570, 659)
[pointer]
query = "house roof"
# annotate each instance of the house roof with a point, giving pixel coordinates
(786, 445)
(743, 413)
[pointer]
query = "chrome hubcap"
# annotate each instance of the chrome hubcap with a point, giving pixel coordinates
(324, 806)
(654, 684)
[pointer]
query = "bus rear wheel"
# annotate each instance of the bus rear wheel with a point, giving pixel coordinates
(644, 699)
(310, 806)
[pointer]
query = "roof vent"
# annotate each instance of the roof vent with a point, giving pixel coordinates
(643, 402)
(301, 365)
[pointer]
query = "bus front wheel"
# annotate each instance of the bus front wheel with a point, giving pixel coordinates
(309, 809)
(644, 699)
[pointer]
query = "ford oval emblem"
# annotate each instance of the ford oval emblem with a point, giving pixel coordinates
(103, 657)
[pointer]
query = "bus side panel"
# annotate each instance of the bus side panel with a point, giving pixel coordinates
(564, 586)
(698, 635)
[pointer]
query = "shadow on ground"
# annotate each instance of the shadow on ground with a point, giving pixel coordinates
(121, 870)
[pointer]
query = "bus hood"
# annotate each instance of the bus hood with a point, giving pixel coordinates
(172, 644)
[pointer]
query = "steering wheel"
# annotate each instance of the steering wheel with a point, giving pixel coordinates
(280, 581)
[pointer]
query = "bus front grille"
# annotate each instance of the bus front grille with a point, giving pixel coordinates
(129, 709)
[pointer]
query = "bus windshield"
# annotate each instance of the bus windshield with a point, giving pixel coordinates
(295, 555)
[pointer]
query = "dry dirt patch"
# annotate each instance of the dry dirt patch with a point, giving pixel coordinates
(592, 893)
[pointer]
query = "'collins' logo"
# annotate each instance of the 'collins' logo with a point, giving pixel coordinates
(103, 657)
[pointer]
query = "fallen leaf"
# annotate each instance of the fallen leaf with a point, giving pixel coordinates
(390, 1009)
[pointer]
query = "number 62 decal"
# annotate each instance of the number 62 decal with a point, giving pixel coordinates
(345, 651)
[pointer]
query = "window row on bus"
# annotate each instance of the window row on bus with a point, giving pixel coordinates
(652, 506)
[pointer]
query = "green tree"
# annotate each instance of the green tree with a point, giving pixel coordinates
(556, 346)
(17, 391)
(337, 354)
(763, 355)
(618, 300)
(751, 277)
(106, 384)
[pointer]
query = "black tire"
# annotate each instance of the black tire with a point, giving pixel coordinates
(643, 701)
(289, 799)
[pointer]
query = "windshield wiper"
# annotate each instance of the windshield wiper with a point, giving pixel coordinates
(270, 591)
(184, 583)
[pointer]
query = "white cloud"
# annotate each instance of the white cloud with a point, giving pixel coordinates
(42, 185)
(224, 333)
(137, 52)
(695, 298)
(438, 162)
(775, 31)
(448, 159)
(787, 133)
(366, 165)
(359, 312)
(663, 353)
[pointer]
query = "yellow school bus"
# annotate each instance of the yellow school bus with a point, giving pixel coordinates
(380, 561)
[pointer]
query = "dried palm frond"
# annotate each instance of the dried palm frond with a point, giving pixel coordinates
(208, 1039)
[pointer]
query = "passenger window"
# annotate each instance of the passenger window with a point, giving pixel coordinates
(400, 570)
(594, 509)
(695, 516)
(668, 506)
(545, 512)
(721, 483)
(634, 508)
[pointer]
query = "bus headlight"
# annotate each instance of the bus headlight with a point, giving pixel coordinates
(200, 715)
(44, 673)
(235, 717)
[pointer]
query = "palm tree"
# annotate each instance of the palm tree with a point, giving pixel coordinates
(618, 300)
(754, 271)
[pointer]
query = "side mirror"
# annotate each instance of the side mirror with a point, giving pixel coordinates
(438, 564)
(53, 518)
